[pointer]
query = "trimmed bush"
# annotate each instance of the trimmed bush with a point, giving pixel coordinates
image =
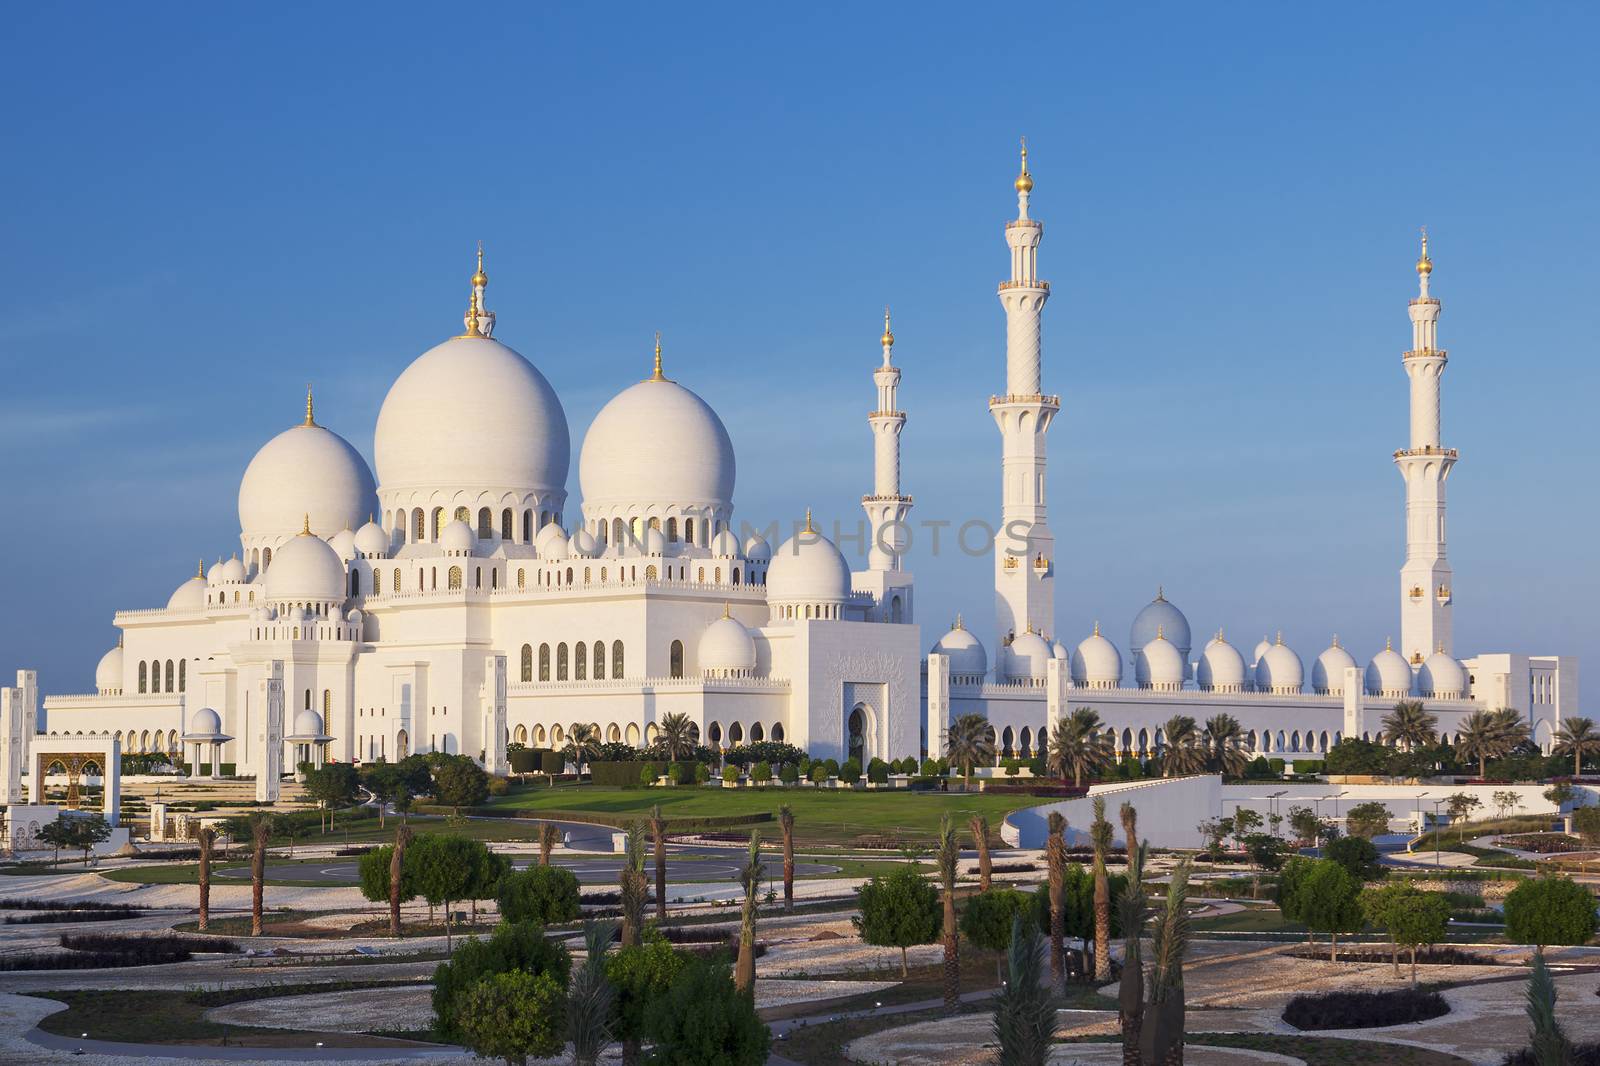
(850, 772)
(513, 946)
(621, 774)
(525, 760)
(702, 773)
(761, 773)
(1364, 1010)
(551, 762)
(1308, 766)
(819, 772)
(878, 772)
(930, 768)
(789, 773)
(730, 774)
(547, 895)
(1276, 766)
(1550, 910)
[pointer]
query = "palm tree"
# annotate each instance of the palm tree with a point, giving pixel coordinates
(1079, 745)
(1024, 1016)
(1161, 1029)
(1100, 836)
(949, 853)
(591, 999)
(970, 741)
(1489, 735)
(1411, 725)
(675, 735)
(260, 833)
(397, 861)
(1133, 909)
(549, 837)
(206, 837)
(1224, 738)
(635, 890)
(1181, 753)
(979, 824)
(786, 822)
(583, 744)
(658, 837)
(744, 974)
(1577, 737)
(1055, 852)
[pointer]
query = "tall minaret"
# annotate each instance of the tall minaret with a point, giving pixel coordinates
(1425, 582)
(886, 508)
(1024, 566)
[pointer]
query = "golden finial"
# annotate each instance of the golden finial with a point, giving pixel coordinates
(1024, 179)
(1388, 644)
(310, 415)
(480, 279)
(305, 530)
(808, 528)
(473, 309)
(1424, 264)
(887, 340)
(1161, 594)
(1161, 632)
(1280, 638)
(1336, 640)
(959, 623)
(199, 568)
(726, 611)
(657, 375)
(1097, 627)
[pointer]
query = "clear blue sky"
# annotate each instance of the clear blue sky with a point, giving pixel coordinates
(202, 209)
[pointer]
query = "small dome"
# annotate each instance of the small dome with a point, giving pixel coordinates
(1221, 667)
(584, 544)
(1159, 666)
(1327, 673)
(457, 538)
(304, 472)
(307, 723)
(757, 550)
(1028, 658)
(1280, 670)
(108, 672)
(344, 543)
(551, 543)
(727, 647)
(372, 541)
(808, 569)
(1442, 677)
(205, 723)
(725, 544)
(1261, 650)
(1096, 663)
(233, 570)
(1160, 616)
(965, 651)
(189, 596)
(1059, 650)
(306, 568)
(214, 575)
(655, 541)
(1388, 674)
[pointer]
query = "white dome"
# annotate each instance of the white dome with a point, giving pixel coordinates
(307, 723)
(551, 543)
(1159, 617)
(307, 473)
(344, 543)
(1221, 667)
(757, 550)
(1059, 650)
(727, 647)
(656, 443)
(205, 723)
(1028, 657)
(189, 596)
(808, 569)
(725, 544)
(1159, 665)
(1327, 673)
(965, 651)
(371, 540)
(1261, 649)
(584, 544)
(1280, 670)
(655, 541)
(233, 570)
(108, 672)
(1096, 662)
(1442, 677)
(214, 574)
(472, 413)
(1388, 674)
(456, 538)
(306, 568)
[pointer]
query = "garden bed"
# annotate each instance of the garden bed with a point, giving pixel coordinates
(1364, 1010)
(1437, 955)
(1542, 843)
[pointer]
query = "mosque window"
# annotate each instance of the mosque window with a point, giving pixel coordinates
(266, 558)
(599, 660)
(717, 575)
(183, 675)
(618, 531)
(327, 706)
(544, 662)
(616, 658)
(477, 577)
(522, 578)
(454, 577)
(675, 660)
(438, 521)
(602, 573)
(700, 574)
(527, 526)
(580, 661)
(586, 575)
(355, 583)
(736, 575)
(433, 577)
(688, 530)
(416, 524)
(463, 515)
(527, 662)
(561, 661)
(170, 675)
(494, 579)
(569, 575)
(650, 572)
(142, 677)
(507, 527)
(485, 523)
(672, 529)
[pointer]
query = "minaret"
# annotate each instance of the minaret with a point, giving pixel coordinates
(886, 508)
(1024, 568)
(1425, 580)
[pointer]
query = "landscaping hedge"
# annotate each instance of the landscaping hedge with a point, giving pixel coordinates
(617, 821)
(1364, 1010)
(620, 774)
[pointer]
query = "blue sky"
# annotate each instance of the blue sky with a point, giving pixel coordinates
(203, 211)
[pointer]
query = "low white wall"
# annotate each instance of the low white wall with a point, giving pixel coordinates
(1169, 809)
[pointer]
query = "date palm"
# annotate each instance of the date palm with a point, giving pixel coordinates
(583, 744)
(1055, 853)
(1577, 737)
(979, 825)
(1182, 753)
(970, 742)
(786, 823)
(1411, 725)
(591, 998)
(1133, 910)
(1100, 837)
(658, 837)
(397, 861)
(1224, 738)
(549, 837)
(635, 890)
(948, 854)
(675, 736)
(1161, 1029)
(744, 974)
(1079, 745)
(261, 826)
(206, 837)
(1489, 735)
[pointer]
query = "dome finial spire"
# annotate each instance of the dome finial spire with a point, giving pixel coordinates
(310, 414)
(808, 528)
(727, 611)
(305, 528)
(1424, 264)
(960, 623)
(199, 568)
(479, 322)
(657, 375)
(887, 340)
(1024, 181)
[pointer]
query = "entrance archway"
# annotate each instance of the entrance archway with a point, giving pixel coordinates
(402, 744)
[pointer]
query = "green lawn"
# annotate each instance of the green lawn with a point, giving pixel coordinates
(822, 816)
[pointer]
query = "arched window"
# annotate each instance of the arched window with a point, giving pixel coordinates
(672, 529)
(756, 734)
(736, 575)
(675, 664)
(602, 573)
(599, 660)
(527, 662)
(717, 575)
(266, 558)
(650, 572)
(688, 530)
(477, 577)
(700, 573)
(494, 579)
(183, 675)
(463, 514)
(618, 531)
(586, 575)
(616, 658)
(527, 526)
(327, 707)
(569, 575)
(143, 670)
(438, 521)
(544, 662)
(417, 528)
(561, 661)
(355, 582)
(580, 661)
(777, 732)
(433, 577)
(171, 676)
(522, 578)
(507, 524)
(485, 523)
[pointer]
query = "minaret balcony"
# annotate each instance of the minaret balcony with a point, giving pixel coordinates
(1428, 449)
(887, 499)
(1042, 286)
(1052, 402)
(1427, 353)
(1024, 223)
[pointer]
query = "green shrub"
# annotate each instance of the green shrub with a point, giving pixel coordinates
(1308, 766)
(702, 1018)
(850, 772)
(702, 773)
(546, 895)
(1586, 821)
(789, 773)
(1035, 766)
(878, 772)
(513, 946)
(730, 775)
(1276, 766)
(1258, 767)
(1550, 910)
(525, 761)
(621, 774)
(761, 773)
(819, 772)
(833, 767)
(513, 1016)
(551, 762)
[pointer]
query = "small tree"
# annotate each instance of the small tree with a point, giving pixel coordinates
(1586, 821)
(446, 871)
(1024, 1016)
(1505, 801)
(1550, 910)
(761, 773)
(332, 785)
(702, 1018)
(513, 946)
(1418, 919)
(1367, 820)
(1560, 793)
(898, 910)
(1550, 1045)
(986, 921)
(376, 868)
(458, 781)
(1246, 821)
(546, 895)
(640, 975)
(850, 772)
(1305, 825)
(1266, 852)
(730, 774)
(591, 999)
(514, 1016)
(1328, 902)
(819, 773)
(81, 831)
(1461, 805)
(1357, 855)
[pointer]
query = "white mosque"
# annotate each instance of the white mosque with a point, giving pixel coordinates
(445, 605)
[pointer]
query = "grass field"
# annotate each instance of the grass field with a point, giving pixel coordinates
(822, 816)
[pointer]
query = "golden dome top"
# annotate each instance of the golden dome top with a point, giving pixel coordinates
(887, 340)
(1424, 264)
(1024, 179)
(480, 279)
